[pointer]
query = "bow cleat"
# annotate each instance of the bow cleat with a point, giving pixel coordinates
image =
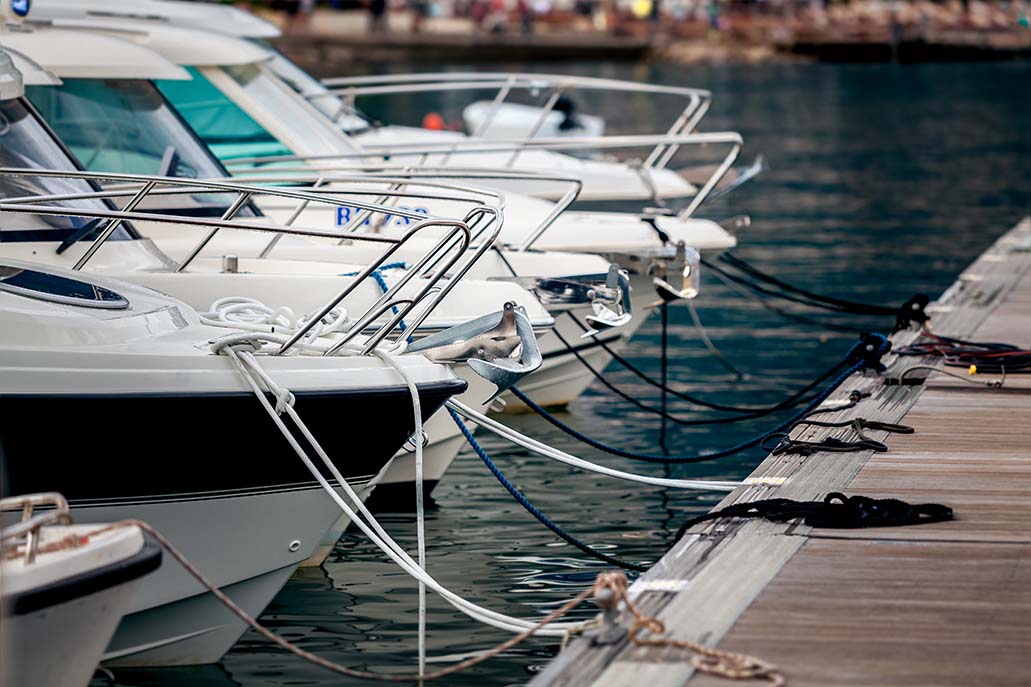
(500, 347)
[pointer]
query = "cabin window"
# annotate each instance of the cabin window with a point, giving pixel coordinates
(56, 288)
(126, 126)
(26, 143)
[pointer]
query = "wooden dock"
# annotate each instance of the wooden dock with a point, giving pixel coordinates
(935, 604)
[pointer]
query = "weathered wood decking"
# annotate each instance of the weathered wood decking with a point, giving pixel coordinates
(939, 604)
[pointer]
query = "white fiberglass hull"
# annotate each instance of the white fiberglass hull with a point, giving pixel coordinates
(247, 544)
(60, 611)
(61, 646)
(230, 493)
(603, 180)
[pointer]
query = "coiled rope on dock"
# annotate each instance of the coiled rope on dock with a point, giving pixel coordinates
(977, 356)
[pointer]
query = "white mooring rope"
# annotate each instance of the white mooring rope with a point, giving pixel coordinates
(550, 452)
(264, 326)
(420, 514)
(257, 379)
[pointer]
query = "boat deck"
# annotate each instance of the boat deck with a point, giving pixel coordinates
(937, 604)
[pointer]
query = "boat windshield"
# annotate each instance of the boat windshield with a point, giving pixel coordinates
(351, 120)
(25, 142)
(224, 127)
(243, 112)
(126, 126)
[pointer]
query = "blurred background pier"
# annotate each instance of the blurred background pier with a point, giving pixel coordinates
(685, 31)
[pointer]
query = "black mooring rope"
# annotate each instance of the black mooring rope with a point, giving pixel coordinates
(913, 310)
(795, 399)
(866, 354)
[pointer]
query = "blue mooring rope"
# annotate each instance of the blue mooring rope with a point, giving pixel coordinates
(377, 274)
(533, 510)
(865, 354)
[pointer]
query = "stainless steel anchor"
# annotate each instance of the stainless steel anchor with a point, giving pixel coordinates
(500, 347)
(689, 264)
(607, 294)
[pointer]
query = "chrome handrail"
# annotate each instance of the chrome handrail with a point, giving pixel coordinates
(400, 182)
(30, 524)
(670, 142)
(399, 188)
(350, 88)
(392, 172)
(459, 235)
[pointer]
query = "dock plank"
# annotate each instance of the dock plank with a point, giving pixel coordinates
(870, 607)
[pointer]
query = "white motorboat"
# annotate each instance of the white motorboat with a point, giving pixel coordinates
(247, 105)
(251, 115)
(513, 120)
(63, 590)
(604, 178)
(112, 379)
(301, 287)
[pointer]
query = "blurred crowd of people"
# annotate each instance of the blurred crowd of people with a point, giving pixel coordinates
(619, 16)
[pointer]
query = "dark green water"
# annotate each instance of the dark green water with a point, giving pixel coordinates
(883, 181)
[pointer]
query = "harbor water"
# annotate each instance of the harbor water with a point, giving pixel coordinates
(883, 181)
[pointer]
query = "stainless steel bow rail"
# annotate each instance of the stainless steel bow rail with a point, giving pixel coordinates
(27, 529)
(451, 253)
(424, 175)
(603, 291)
(623, 142)
(549, 87)
(396, 188)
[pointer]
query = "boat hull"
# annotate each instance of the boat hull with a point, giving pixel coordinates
(55, 634)
(231, 495)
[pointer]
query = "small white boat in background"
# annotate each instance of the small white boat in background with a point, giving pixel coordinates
(514, 120)
(64, 588)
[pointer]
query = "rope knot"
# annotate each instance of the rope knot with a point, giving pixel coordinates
(284, 400)
(609, 589)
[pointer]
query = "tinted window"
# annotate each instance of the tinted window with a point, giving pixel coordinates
(25, 143)
(59, 289)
